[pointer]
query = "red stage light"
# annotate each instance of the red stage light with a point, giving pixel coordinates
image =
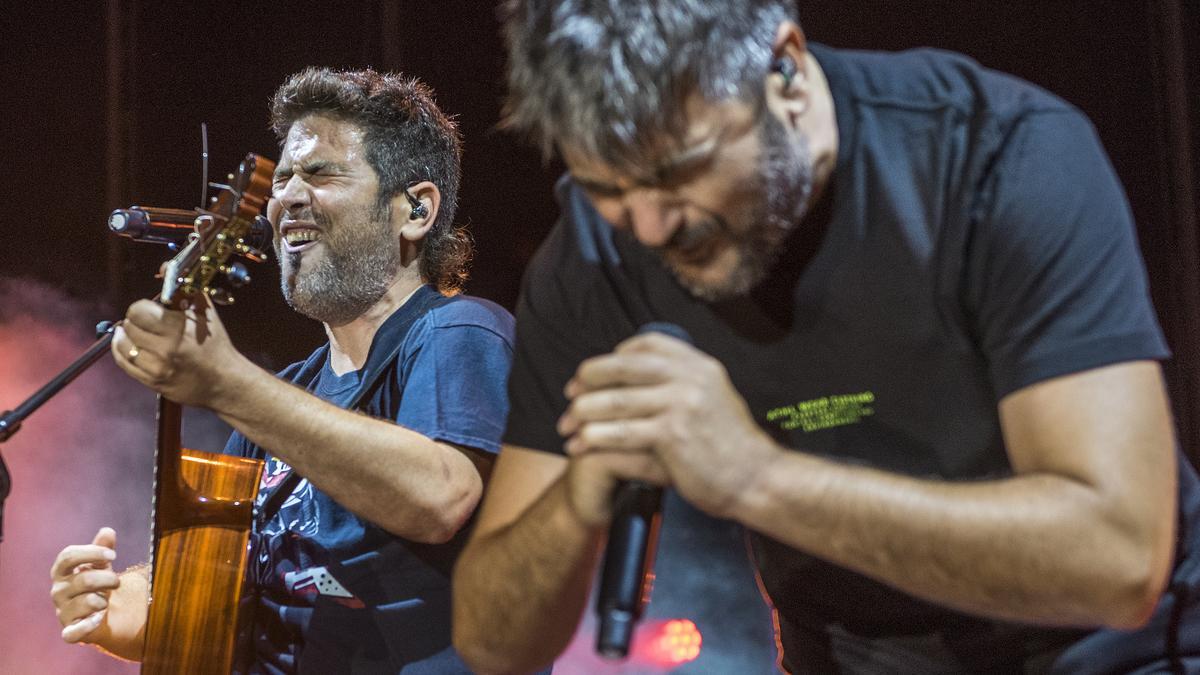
(672, 643)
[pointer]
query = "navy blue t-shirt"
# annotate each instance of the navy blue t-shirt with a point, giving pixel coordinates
(333, 592)
(974, 241)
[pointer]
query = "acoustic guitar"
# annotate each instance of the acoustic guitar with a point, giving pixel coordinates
(203, 501)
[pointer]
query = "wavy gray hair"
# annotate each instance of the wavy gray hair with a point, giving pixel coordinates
(610, 77)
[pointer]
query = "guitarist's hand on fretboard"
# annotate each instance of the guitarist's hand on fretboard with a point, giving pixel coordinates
(181, 354)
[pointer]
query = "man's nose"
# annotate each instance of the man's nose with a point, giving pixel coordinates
(293, 194)
(653, 220)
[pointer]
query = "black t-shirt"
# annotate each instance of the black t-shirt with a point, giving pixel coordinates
(974, 241)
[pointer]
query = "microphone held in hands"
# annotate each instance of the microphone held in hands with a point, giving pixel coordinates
(628, 571)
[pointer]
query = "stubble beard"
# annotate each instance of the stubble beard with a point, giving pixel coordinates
(359, 263)
(786, 172)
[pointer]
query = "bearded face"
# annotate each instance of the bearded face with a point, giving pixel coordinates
(338, 252)
(357, 262)
(778, 202)
(717, 204)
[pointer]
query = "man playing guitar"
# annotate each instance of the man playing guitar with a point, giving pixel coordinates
(350, 565)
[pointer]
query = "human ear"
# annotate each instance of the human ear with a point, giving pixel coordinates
(788, 94)
(416, 209)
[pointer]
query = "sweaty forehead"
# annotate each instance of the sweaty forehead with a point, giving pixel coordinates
(320, 137)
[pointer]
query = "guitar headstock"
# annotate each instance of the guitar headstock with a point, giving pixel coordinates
(208, 264)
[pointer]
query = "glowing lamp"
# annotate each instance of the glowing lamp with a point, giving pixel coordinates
(672, 643)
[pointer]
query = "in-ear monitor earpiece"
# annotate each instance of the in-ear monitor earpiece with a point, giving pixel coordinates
(785, 66)
(418, 209)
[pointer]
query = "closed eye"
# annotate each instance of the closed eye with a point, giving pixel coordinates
(599, 190)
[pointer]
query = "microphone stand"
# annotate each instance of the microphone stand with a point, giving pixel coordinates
(10, 421)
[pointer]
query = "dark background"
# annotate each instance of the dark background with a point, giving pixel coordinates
(102, 105)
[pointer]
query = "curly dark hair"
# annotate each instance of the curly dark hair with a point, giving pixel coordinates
(408, 139)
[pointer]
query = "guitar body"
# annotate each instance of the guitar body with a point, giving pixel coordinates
(203, 509)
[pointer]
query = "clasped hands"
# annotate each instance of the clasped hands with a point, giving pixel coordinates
(658, 410)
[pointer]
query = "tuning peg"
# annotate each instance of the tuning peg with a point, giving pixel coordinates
(249, 251)
(220, 296)
(236, 274)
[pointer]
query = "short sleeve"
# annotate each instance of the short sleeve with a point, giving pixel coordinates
(1056, 283)
(454, 388)
(239, 446)
(551, 341)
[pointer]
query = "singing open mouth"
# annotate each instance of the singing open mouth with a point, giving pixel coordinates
(299, 236)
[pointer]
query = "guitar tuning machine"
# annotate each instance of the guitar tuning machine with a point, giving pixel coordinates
(249, 251)
(236, 274)
(220, 296)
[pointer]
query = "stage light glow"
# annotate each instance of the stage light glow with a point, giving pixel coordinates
(672, 643)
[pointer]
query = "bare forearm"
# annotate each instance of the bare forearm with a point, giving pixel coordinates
(519, 591)
(395, 477)
(1037, 547)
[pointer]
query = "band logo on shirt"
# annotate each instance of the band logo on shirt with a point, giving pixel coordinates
(824, 413)
(319, 581)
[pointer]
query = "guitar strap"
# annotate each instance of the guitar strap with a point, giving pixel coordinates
(386, 345)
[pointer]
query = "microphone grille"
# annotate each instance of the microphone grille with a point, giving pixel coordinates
(117, 221)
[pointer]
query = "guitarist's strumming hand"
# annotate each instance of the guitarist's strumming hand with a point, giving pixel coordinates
(184, 355)
(95, 604)
(82, 577)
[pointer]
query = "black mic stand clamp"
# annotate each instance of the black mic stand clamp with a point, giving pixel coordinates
(10, 421)
(5, 488)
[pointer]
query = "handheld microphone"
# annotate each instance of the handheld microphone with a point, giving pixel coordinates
(173, 226)
(628, 572)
